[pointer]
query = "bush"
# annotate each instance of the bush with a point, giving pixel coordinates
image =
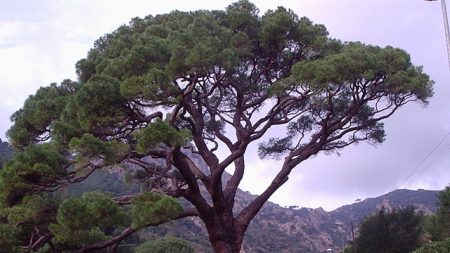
(396, 231)
(166, 245)
(435, 247)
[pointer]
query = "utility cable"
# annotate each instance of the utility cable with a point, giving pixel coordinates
(430, 165)
(417, 168)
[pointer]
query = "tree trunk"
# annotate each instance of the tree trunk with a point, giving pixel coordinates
(222, 247)
(227, 245)
(223, 236)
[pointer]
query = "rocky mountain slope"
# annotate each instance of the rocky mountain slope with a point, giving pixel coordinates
(315, 230)
(279, 229)
(423, 200)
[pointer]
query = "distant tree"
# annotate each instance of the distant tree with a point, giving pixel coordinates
(165, 245)
(204, 81)
(438, 225)
(6, 152)
(349, 249)
(396, 231)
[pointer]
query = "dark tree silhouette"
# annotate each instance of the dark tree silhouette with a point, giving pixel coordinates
(396, 231)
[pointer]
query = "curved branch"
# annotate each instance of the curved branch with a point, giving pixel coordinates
(129, 231)
(39, 242)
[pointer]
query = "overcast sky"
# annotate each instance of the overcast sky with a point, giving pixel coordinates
(40, 41)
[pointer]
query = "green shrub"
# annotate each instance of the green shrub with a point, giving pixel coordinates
(435, 247)
(165, 245)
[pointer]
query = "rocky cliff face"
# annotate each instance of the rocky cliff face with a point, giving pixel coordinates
(423, 200)
(279, 229)
(315, 230)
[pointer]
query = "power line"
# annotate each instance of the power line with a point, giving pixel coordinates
(431, 164)
(417, 168)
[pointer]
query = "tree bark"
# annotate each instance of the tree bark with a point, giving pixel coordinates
(223, 241)
(222, 246)
(223, 234)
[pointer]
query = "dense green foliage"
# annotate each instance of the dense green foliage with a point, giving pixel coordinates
(396, 231)
(438, 225)
(165, 245)
(153, 208)
(435, 247)
(202, 80)
(84, 220)
(32, 169)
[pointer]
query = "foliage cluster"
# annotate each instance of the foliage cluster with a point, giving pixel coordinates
(403, 230)
(165, 245)
(437, 246)
(153, 208)
(85, 220)
(395, 231)
(437, 226)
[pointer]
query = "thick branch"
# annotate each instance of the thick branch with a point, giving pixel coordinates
(127, 232)
(249, 212)
(39, 242)
(182, 163)
(233, 183)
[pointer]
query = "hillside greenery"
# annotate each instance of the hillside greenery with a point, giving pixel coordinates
(435, 247)
(165, 245)
(437, 226)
